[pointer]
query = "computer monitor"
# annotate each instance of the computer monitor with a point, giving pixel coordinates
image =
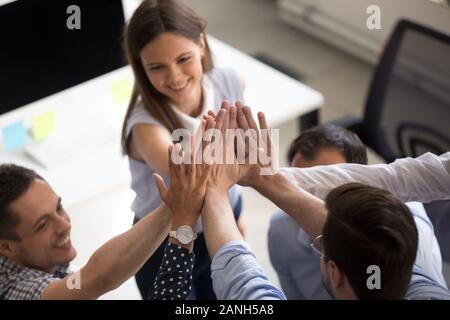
(40, 55)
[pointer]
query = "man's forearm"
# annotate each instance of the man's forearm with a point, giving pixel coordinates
(423, 179)
(308, 211)
(219, 225)
(122, 256)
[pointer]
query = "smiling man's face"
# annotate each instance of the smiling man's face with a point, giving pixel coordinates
(44, 229)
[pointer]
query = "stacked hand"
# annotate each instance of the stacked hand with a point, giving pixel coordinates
(253, 155)
(234, 150)
(187, 188)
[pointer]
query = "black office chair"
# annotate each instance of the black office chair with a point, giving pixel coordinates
(407, 110)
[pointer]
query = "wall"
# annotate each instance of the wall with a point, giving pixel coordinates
(343, 22)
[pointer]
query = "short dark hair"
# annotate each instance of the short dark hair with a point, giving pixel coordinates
(14, 181)
(312, 140)
(370, 226)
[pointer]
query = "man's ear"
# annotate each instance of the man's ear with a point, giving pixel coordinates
(7, 248)
(336, 276)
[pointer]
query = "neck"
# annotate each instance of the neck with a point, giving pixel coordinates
(195, 108)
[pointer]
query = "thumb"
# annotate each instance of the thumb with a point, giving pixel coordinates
(162, 188)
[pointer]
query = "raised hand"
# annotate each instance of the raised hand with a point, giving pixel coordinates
(225, 171)
(258, 150)
(187, 188)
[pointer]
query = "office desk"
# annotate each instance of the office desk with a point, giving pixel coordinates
(95, 187)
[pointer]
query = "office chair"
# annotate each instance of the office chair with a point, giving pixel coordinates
(407, 111)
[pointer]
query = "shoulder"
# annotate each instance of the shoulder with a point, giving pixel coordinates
(27, 285)
(423, 287)
(140, 115)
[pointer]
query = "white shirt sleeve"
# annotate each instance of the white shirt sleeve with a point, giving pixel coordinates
(422, 179)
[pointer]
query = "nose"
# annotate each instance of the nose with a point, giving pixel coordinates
(63, 225)
(174, 74)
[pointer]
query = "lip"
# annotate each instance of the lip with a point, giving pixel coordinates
(178, 89)
(64, 244)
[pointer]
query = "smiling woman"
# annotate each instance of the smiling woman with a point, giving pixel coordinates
(175, 85)
(173, 67)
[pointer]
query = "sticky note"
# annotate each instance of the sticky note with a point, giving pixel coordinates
(14, 136)
(121, 90)
(43, 125)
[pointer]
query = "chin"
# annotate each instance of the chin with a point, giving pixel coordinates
(67, 258)
(73, 253)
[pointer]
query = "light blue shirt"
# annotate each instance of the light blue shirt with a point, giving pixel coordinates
(237, 275)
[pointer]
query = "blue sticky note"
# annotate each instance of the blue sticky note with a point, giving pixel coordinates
(14, 136)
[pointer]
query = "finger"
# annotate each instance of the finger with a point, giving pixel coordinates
(211, 114)
(266, 137)
(191, 166)
(160, 185)
(250, 120)
(178, 154)
(262, 120)
(221, 120)
(221, 114)
(198, 140)
(226, 121)
(241, 119)
(172, 156)
(210, 124)
(232, 118)
(205, 174)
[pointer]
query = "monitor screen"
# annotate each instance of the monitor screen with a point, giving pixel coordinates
(40, 55)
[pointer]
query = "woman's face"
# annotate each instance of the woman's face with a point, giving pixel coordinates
(174, 68)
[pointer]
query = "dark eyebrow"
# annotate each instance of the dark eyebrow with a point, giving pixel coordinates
(45, 216)
(156, 63)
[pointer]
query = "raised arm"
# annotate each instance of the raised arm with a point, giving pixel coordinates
(235, 272)
(307, 210)
(423, 179)
(116, 261)
(185, 197)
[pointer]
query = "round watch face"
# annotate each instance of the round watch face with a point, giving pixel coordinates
(185, 234)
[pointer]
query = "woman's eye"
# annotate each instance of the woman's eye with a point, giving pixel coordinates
(155, 68)
(184, 59)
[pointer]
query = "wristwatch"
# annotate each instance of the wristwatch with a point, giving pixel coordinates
(184, 234)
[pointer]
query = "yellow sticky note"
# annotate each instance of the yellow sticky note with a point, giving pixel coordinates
(121, 90)
(43, 125)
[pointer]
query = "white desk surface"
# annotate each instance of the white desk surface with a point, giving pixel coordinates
(95, 188)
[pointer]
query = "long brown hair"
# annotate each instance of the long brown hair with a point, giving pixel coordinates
(151, 19)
